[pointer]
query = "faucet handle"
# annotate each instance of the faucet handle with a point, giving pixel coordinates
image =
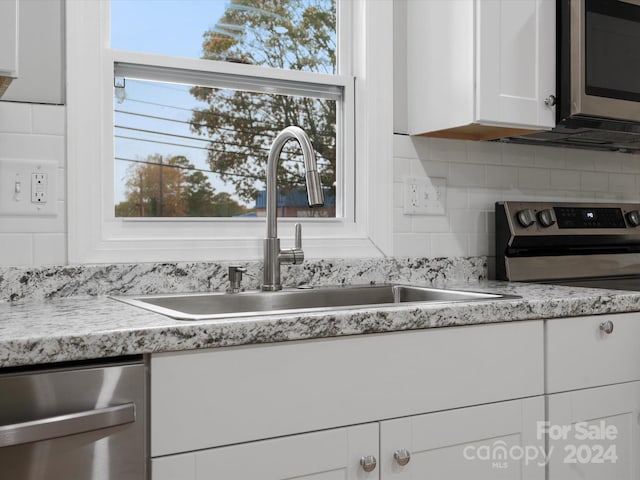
(298, 237)
(295, 255)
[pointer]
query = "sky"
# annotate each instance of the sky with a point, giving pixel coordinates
(167, 27)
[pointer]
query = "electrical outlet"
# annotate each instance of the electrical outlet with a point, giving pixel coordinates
(39, 188)
(28, 187)
(425, 196)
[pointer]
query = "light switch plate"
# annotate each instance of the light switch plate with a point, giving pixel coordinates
(425, 196)
(28, 187)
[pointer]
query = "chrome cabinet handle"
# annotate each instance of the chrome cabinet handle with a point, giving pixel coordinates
(402, 456)
(63, 425)
(550, 101)
(368, 463)
(607, 327)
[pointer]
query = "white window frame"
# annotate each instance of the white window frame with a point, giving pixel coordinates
(96, 236)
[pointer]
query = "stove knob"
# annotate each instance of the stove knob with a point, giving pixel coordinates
(526, 218)
(633, 218)
(546, 217)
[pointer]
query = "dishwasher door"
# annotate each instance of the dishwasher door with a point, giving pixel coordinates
(84, 423)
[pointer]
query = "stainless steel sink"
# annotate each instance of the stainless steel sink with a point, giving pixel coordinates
(205, 306)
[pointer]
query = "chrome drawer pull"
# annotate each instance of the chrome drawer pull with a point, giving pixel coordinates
(607, 327)
(368, 463)
(63, 425)
(402, 456)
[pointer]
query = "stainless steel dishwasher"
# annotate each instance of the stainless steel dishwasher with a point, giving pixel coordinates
(74, 422)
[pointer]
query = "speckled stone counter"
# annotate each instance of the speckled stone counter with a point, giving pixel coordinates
(77, 328)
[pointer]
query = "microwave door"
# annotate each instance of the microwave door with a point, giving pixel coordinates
(605, 59)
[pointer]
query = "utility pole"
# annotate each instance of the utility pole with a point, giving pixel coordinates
(161, 202)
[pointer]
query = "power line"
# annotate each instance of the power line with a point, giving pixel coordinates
(187, 122)
(194, 169)
(321, 160)
(214, 114)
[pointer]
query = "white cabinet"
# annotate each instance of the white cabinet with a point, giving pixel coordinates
(328, 455)
(216, 397)
(8, 42)
(595, 433)
(480, 69)
(314, 408)
(593, 406)
(486, 442)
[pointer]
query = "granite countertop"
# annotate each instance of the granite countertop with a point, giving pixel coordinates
(75, 328)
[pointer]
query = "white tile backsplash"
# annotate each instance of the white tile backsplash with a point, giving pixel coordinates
(34, 131)
(491, 171)
(477, 174)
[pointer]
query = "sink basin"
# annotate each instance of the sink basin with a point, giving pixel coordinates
(205, 306)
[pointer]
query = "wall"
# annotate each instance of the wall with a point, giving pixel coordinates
(480, 173)
(34, 131)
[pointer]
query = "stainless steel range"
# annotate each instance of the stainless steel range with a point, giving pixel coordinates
(582, 244)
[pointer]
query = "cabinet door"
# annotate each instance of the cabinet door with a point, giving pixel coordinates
(516, 57)
(492, 442)
(9, 38)
(327, 455)
(595, 433)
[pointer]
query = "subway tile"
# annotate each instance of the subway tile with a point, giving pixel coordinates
(430, 168)
(534, 178)
(565, 180)
(42, 147)
(468, 221)
(502, 176)
(412, 245)
(579, 160)
(430, 223)
(467, 175)
(15, 117)
(403, 147)
(449, 150)
(484, 198)
(50, 249)
(481, 244)
(422, 146)
(549, 157)
(49, 119)
(622, 183)
(401, 168)
(398, 194)
(401, 222)
(518, 155)
(456, 197)
(17, 249)
(449, 244)
(486, 153)
(594, 181)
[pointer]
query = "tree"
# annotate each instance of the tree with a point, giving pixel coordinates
(172, 188)
(293, 34)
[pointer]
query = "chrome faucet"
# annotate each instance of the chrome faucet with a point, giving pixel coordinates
(273, 255)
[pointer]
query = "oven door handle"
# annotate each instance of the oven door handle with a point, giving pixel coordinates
(69, 424)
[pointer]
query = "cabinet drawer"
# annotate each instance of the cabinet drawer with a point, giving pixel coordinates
(207, 398)
(580, 354)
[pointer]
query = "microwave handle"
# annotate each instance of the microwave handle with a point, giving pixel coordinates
(69, 424)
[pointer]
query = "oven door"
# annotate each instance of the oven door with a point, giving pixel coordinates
(605, 58)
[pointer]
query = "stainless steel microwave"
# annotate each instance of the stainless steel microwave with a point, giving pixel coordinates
(599, 67)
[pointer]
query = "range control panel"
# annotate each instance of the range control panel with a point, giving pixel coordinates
(589, 217)
(527, 218)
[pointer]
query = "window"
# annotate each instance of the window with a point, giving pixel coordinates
(193, 149)
(164, 163)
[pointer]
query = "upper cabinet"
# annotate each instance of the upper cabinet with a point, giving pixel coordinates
(38, 52)
(480, 69)
(8, 43)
